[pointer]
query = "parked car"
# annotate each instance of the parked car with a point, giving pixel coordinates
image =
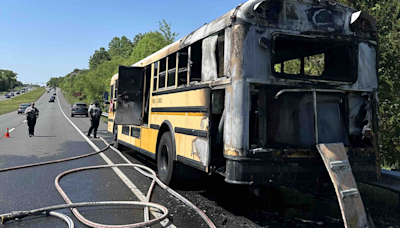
(52, 99)
(22, 107)
(79, 109)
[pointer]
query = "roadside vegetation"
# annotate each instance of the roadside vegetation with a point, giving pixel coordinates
(11, 105)
(103, 64)
(8, 81)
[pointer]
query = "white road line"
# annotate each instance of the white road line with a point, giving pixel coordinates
(12, 129)
(120, 174)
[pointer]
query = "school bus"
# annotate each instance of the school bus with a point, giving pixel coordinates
(250, 95)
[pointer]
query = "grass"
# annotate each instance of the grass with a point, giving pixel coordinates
(13, 104)
(71, 99)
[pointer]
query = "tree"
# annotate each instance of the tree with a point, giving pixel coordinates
(137, 38)
(150, 43)
(8, 80)
(165, 29)
(98, 57)
(120, 47)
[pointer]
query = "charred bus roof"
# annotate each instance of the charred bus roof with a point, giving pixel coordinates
(307, 16)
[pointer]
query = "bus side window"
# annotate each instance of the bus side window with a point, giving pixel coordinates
(195, 58)
(183, 66)
(161, 76)
(171, 70)
(155, 76)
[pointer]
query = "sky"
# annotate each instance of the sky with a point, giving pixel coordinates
(48, 38)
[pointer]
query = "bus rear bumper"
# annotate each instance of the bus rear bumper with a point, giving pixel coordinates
(264, 170)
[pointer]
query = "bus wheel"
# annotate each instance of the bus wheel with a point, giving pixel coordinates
(165, 160)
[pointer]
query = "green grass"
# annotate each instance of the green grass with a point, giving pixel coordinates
(13, 104)
(71, 99)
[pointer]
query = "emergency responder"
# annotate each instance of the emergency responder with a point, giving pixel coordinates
(95, 114)
(32, 114)
(90, 107)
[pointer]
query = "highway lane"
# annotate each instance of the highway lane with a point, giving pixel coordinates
(2, 97)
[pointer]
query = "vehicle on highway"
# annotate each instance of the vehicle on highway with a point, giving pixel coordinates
(5, 94)
(79, 109)
(22, 107)
(17, 92)
(52, 99)
(12, 94)
(8, 96)
(22, 90)
(48, 91)
(252, 93)
(54, 94)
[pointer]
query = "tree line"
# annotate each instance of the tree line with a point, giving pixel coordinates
(8, 80)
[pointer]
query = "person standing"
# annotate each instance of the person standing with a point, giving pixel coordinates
(95, 114)
(90, 107)
(32, 114)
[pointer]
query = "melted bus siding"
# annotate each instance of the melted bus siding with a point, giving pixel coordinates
(251, 94)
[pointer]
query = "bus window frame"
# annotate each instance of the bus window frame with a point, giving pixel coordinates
(304, 77)
(156, 75)
(159, 73)
(168, 71)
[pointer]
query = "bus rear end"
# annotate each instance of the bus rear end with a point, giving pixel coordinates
(303, 73)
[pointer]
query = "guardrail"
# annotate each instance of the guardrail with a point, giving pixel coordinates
(390, 181)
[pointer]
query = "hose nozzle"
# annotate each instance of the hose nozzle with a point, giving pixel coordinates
(14, 215)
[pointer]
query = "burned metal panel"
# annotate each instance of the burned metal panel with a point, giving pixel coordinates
(256, 60)
(236, 128)
(367, 74)
(209, 59)
(208, 29)
(357, 114)
(301, 16)
(200, 149)
(227, 51)
(293, 123)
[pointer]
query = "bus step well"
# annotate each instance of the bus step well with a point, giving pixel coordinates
(337, 164)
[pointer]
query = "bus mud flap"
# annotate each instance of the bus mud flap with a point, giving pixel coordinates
(339, 169)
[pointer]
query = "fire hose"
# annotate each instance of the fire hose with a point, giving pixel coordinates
(146, 171)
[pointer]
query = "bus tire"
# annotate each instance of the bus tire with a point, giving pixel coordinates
(165, 159)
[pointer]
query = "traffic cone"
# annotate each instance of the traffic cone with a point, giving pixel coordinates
(7, 134)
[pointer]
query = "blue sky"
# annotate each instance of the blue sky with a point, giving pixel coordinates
(48, 38)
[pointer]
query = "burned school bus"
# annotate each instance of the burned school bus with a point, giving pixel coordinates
(252, 93)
